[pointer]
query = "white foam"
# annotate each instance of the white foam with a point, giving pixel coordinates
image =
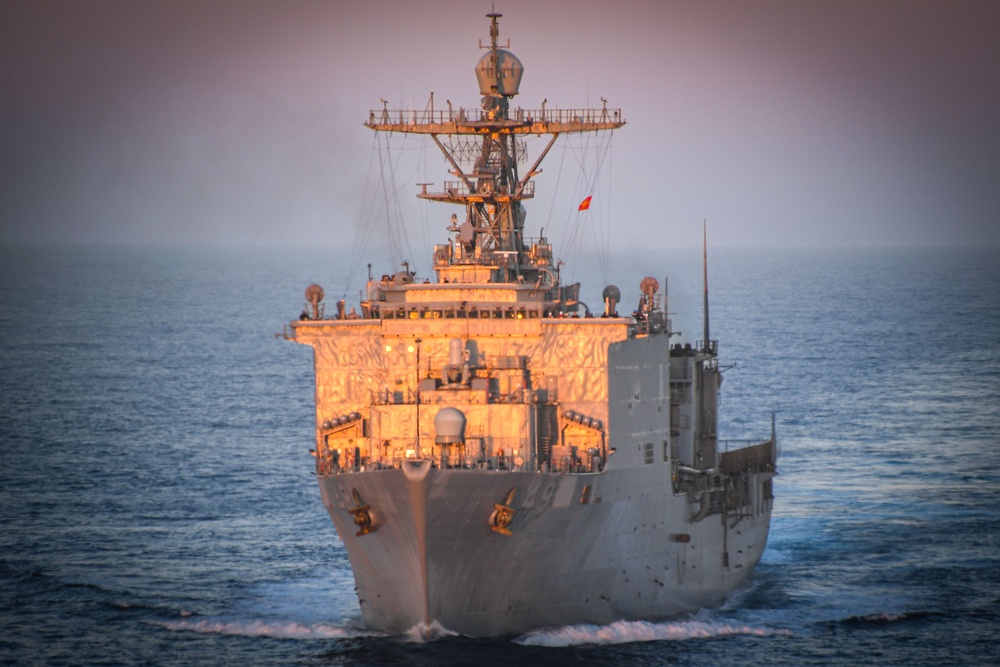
(275, 629)
(428, 633)
(623, 632)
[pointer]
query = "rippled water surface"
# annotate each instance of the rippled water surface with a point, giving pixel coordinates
(158, 507)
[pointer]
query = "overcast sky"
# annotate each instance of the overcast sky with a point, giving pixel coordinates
(782, 122)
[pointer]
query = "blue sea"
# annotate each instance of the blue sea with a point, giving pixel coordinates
(158, 507)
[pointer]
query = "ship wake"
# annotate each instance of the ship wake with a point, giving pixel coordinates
(624, 632)
(260, 628)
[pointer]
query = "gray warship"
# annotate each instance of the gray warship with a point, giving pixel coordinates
(493, 461)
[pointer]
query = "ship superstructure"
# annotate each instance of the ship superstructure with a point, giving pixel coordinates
(493, 461)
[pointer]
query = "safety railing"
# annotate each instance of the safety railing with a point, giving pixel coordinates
(461, 115)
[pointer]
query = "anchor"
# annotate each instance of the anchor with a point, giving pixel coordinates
(364, 518)
(503, 515)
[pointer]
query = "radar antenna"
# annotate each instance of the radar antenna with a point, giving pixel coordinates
(314, 294)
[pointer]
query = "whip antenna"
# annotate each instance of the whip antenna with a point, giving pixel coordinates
(704, 228)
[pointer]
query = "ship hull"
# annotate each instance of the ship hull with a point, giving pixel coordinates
(585, 548)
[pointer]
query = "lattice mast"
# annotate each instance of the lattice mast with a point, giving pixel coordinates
(491, 191)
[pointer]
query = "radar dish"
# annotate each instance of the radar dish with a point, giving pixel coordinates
(314, 294)
(649, 285)
(612, 296)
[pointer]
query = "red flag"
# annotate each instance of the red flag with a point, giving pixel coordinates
(585, 204)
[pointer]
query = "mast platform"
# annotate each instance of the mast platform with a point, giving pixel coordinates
(473, 121)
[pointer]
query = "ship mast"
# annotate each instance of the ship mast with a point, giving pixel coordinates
(492, 189)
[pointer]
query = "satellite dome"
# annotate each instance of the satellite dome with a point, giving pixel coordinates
(510, 70)
(449, 426)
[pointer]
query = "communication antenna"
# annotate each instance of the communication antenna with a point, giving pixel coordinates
(704, 229)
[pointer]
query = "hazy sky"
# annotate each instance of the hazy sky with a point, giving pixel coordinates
(783, 122)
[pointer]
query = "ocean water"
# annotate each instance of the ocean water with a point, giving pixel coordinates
(157, 503)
